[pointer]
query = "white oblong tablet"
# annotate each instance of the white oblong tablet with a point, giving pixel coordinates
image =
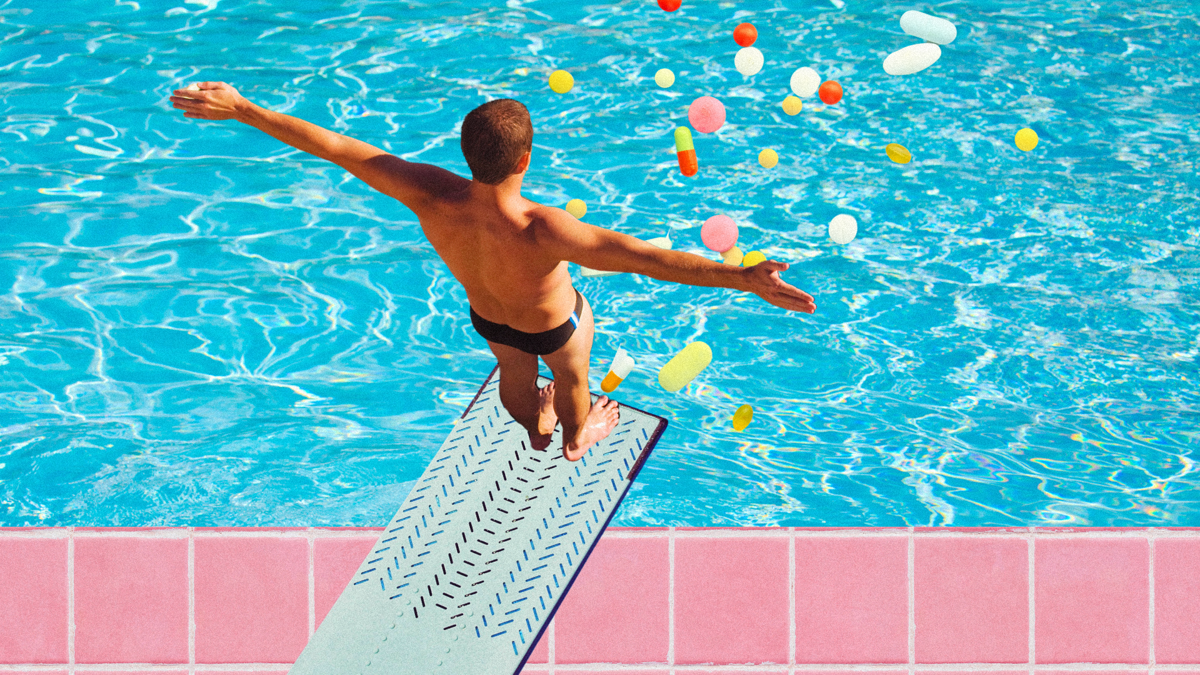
(843, 228)
(911, 59)
(805, 82)
(931, 28)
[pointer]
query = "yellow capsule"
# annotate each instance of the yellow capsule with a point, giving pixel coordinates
(753, 258)
(741, 418)
(898, 153)
(685, 366)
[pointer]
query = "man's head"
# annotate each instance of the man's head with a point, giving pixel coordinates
(495, 136)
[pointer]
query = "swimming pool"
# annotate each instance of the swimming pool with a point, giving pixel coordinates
(200, 326)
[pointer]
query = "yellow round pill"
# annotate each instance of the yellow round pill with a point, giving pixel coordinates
(753, 258)
(733, 256)
(898, 153)
(577, 208)
(741, 418)
(1027, 139)
(792, 105)
(685, 366)
(664, 78)
(768, 158)
(561, 81)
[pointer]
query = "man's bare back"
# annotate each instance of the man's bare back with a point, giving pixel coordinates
(510, 254)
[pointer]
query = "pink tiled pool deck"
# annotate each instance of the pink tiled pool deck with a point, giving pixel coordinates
(649, 601)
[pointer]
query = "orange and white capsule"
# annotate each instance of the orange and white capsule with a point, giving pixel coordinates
(686, 152)
(622, 365)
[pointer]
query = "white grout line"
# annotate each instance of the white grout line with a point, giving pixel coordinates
(910, 577)
(1031, 552)
(71, 601)
(191, 564)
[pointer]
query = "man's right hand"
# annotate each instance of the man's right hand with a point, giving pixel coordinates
(214, 101)
(763, 280)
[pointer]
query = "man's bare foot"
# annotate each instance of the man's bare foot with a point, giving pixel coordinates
(600, 422)
(547, 418)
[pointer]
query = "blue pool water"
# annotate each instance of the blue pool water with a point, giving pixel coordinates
(201, 326)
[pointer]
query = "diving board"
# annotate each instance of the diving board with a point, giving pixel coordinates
(466, 576)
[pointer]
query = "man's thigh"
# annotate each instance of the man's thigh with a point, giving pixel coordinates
(573, 359)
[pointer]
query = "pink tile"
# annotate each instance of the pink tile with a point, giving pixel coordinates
(251, 599)
(768, 671)
(541, 651)
(731, 600)
(1100, 672)
(143, 672)
(801, 671)
(335, 560)
(971, 671)
(660, 671)
(1092, 600)
(972, 600)
(33, 599)
(852, 600)
(616, 611)
(131, 600)
(1177, 600)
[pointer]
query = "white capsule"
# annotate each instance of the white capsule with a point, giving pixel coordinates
(912, 59)
(931, 28)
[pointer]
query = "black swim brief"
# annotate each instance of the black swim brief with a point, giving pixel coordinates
(540, 344)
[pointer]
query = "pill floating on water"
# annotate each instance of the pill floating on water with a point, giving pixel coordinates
(805, 82)
(898, 153)
(768, 158)
(686, 152)
(732, 257)
(748, 61)
(561, 81)
(741, 418)
(685, 366)
(664, 78)
(706, 114)
(577, 208)
(1027, 139)
(753, 258)
(745, 34)
(621, 366)
(719, 233)
(912, 59)
(843, 228)
(830, 92)
(792, 105)
(926, 27)
(669, 5)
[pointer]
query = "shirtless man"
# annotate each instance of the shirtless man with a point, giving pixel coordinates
(509, 253)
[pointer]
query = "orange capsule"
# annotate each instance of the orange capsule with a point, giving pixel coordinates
(686, 152)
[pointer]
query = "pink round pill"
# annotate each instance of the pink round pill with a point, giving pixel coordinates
(706, 114)
(719, 233)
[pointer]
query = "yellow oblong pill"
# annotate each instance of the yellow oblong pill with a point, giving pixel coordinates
(741, 418)
(685, 366)
(898, 153)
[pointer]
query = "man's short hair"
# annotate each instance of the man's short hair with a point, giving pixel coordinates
(494, 138)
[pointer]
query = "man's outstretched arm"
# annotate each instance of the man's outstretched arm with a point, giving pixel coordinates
(600, 249)
(405, 181)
